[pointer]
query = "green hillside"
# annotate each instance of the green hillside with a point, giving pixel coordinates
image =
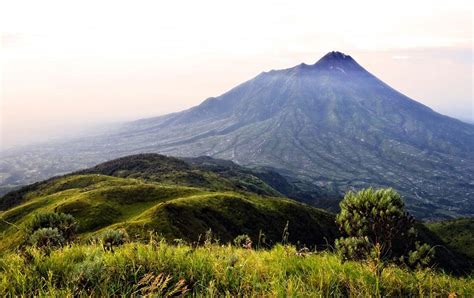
(174, 211)
(149, 167)
(183, 199)
(457, 233)
(181, 217)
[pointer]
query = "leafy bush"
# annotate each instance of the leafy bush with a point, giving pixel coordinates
(114, 238)
(353, 248)
(88, 272)
(421, 256)
(377, 218)
(47, 237)
(65, 224)
(243, 241)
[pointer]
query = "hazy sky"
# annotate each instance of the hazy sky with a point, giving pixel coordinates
(72, 64)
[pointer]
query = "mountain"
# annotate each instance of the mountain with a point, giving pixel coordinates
(172, 197)
(332, 124)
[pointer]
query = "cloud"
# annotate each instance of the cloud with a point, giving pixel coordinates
(400, 57)
(8, 40)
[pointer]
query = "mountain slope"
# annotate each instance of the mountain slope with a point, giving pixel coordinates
(170, 197)
(204, 172)
(458, 233)
(331, 124)
(182, 199)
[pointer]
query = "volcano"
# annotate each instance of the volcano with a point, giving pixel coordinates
(332, 124)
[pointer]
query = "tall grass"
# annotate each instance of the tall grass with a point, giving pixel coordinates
(212, 270)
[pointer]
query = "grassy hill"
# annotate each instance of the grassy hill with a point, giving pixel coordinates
(458, 233)
(183, 199)
(167, 196)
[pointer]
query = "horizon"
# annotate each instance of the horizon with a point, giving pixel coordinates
(65, 79)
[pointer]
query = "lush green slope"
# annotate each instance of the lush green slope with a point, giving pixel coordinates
(155, 168)
(458, 234)
(183, 199)
(204, 172)
(175, 211)
(212, 270)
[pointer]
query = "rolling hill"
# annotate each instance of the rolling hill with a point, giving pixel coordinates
(169, 196)
(182, 199)
(331, 124)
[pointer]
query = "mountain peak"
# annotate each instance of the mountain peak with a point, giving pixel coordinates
(339, 61)
(335, 55)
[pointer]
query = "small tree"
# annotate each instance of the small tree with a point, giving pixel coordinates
(376, 228)
(376, 220)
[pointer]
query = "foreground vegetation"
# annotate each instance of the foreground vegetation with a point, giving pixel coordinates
(96, 233)
(213, 270)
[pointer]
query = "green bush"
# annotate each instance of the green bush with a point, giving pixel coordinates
(353, 248)
(65, 224)
(47, 237)
(243, 241)
(421, 256)
(371, 218)
(114, 238)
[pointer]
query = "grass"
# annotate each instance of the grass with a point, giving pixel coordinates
(210, 270)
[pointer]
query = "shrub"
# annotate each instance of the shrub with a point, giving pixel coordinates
(114, 238)
(65, 224)
(377, 218)
(353, 248)
(88, 272)
(420, 257)
(243, 241)
(47, 238)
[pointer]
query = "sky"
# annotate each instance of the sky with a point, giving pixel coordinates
(67, 66)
